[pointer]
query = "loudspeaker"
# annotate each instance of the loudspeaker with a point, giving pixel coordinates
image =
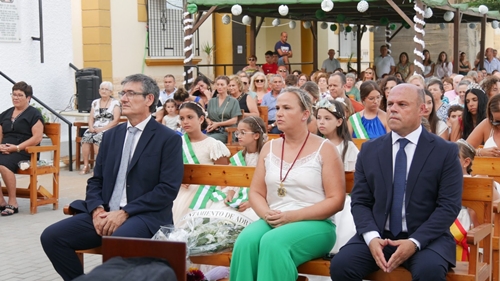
(87, 90)
(88, 72)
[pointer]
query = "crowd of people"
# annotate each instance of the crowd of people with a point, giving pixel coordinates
(298, 188)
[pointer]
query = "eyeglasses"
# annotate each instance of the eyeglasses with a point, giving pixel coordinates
(495, 123)
(282, 70)
(130, 94)
(259, 80)
(17, 95)
(242, 133)
(251, 59)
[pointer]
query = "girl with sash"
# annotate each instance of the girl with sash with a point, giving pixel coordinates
(251, 136)
(370, 122)
(197, 148)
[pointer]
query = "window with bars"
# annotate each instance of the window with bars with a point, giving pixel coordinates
(166, 33)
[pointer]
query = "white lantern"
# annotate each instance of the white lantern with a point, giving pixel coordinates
(448, 16)
(371, 29)
(246, 20)
(363, 6)
(226, 19)
(355, 28)
(442, 26)
(494, 24)
(236, 10)
(483, 9)
(292, 24)
(283, 10)
(276, 22)
(324, 25)
(306, 24)
(472, 25)
(341, 27)
(428, 13)
(327, 5)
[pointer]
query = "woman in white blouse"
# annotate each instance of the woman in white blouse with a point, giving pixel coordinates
(443, 67)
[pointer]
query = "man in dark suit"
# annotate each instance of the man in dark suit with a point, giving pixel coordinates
(407, 193)
(137, 176)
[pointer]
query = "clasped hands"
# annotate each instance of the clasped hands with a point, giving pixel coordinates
(7, 148)
(405, 249)
(106, 223)
(212, 126)
(276, 218)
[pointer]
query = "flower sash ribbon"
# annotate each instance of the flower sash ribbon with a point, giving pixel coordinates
(460, 235)
(204, 192)
(358, 127)
(239, 160)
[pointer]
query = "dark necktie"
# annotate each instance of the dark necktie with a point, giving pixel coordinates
(399, 187)
(121, 178)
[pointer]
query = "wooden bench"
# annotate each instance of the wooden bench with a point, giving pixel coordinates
(40, 195)
(359, 142)
(80, 129)
(490, 166)
(477, 195)
(173, 252)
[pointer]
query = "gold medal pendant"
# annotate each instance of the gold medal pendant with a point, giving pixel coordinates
(281, 190)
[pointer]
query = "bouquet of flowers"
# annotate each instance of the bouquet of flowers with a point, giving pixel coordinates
(206, 231)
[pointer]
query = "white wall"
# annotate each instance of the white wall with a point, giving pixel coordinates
(52, 80)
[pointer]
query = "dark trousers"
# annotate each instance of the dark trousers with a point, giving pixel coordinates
(355, 261)
(60, 240)
(275, 129)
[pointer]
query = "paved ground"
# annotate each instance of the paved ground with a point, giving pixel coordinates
(22, 255)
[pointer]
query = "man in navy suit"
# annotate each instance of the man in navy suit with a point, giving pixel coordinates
(425, 177)
(130, 200)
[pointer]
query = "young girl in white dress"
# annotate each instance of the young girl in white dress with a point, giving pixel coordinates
(251, 136)
(171, 118)
(330, 118)
(197, 148)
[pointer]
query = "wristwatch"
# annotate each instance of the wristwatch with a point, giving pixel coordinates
(273, 125)
(416, 247)
(18, 150)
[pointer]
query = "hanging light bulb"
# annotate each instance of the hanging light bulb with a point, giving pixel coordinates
(226, 19)
(283, 10)
(363, 6)
(327, 5)
(236, 10)
(292, 24)
(246, 20)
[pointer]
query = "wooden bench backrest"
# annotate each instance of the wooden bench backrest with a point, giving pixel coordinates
(53, 131)
(227, 175)
(263, 113)
(359, 142)
(478, 195)
(487, 166)
(173, 252)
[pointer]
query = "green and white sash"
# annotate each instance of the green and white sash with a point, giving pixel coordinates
(239, 160)
(204, 192)
(358, 127)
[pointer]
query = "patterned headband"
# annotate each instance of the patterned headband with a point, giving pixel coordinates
(326, 104)
(464, 142)
(197, 104)
(255, 119)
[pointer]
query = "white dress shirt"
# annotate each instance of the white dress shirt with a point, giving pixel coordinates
(137, 136)
(410, 152)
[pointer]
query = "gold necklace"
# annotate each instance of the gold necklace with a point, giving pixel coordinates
(281, 188)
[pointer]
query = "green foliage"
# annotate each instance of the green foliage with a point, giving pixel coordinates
(208, 49)
(45, 115)
(491, 4)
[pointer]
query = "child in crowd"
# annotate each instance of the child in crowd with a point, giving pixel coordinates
(197, 148)
(330, 118)
(252, 136)
(171, 119)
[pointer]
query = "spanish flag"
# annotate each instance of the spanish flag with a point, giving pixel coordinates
(460, 235)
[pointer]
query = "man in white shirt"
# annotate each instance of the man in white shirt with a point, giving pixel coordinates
(384, 64)
(330, 64)
(407, 192)
(491, 62)
(166, 94)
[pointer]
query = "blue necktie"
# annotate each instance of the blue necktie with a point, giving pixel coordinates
(399, 187)
(121, 178)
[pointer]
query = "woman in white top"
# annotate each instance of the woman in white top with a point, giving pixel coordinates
(428, 65)
(104, 115)
(443, 67)
(488, 131)
(258, 84)
(297, 187)
(437, 126)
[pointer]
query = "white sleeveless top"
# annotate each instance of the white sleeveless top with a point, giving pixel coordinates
(490, 142)
(304, 186)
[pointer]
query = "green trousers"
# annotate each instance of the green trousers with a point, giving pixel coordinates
(264, 253)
